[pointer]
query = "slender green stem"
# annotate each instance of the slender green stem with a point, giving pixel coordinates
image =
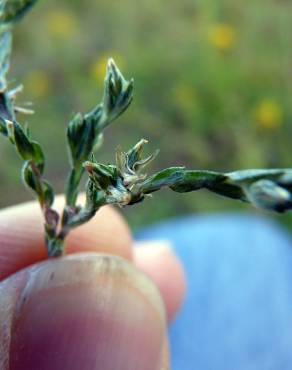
(55, 247)
(72, 185)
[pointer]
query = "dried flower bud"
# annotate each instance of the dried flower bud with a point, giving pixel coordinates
(118, 93)
(82, 136)
(131, 163)
(101, 175)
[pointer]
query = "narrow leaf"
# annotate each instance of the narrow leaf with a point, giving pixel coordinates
(267, 194)
(30, 178)
(167, 177)
(38, 156)
(48, 193)
(13, 10)
(25, 148)
(194, 180)
(5, 51)
(6, 108)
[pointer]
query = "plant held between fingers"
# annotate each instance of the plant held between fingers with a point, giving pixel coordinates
(125, 182)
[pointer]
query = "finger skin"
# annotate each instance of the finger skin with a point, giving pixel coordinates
(81, 312)
(22, 245)
(157, 260)
(22, 236)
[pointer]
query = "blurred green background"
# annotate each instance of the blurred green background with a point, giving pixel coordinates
(213, 87)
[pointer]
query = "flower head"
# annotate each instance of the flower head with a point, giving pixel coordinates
(268, 114)
(222, 36)
(38, 84)
(61, 24)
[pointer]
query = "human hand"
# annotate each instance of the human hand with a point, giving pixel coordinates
(85, 311)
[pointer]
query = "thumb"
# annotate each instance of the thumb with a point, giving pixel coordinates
(81, 312)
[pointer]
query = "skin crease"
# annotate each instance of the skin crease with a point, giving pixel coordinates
(21, 245)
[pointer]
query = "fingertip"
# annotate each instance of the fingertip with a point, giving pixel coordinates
(158, 261)
(87, 312)
(107, 232)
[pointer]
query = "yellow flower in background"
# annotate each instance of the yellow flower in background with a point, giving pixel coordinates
(61, 24)
(222, 36)
(185, 97)
(268, 114)
(37, 84)
(98, 68)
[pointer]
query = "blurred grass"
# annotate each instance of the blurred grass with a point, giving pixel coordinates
(213, 87)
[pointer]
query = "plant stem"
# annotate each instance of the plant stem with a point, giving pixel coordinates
(72, 185)
(55, 247)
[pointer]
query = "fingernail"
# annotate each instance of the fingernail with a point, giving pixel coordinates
(90, 312)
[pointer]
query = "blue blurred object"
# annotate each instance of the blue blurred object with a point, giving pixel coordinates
(238, 310)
